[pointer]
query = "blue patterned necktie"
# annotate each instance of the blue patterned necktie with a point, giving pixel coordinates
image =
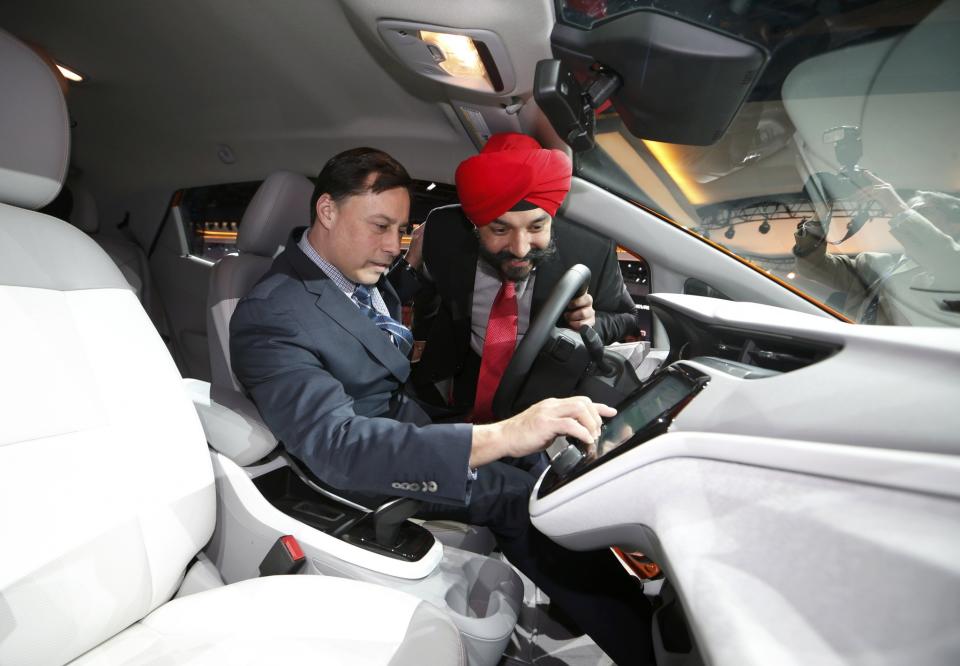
(400, 334)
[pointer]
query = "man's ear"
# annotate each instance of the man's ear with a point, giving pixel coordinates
(326, 211)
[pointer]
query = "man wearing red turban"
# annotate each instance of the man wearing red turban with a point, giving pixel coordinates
(489, 265)
(484, 270)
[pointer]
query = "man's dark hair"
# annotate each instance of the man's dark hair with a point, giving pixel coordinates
(345, 175)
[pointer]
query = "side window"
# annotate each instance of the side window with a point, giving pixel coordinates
(210, 217)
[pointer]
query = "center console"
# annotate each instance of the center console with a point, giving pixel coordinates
(645, 414)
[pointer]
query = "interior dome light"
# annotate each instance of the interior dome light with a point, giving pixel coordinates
(457, 55)
(69, 74)
(470, 58)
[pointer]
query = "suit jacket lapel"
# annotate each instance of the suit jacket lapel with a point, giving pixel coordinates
(345, 312)
(462, 277)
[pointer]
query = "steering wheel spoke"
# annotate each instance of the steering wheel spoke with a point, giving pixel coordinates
(573, 283)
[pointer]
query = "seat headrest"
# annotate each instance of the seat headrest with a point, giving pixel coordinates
(34, 127)
(281, 204)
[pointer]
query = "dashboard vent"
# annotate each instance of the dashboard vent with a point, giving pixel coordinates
(771, 353)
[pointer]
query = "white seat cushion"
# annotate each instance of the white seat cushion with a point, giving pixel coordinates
(287, 619)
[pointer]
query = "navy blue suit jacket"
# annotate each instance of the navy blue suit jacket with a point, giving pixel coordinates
(328, 383)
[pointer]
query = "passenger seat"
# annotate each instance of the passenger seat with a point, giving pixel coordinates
(106, 486)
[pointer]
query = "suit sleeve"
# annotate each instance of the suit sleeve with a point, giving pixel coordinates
(308, 409)
(612, 302)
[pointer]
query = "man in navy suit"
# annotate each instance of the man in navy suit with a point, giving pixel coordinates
(318, 346)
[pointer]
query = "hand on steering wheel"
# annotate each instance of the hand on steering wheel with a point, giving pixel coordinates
(580, 312)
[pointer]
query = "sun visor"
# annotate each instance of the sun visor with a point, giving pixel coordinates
(681, 82)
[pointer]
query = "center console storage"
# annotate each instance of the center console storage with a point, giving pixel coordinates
(258, 504)
(285, 490)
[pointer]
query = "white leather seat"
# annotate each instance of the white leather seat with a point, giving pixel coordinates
(281, 204)
(284, 619)
(127, 255)
(106, 485)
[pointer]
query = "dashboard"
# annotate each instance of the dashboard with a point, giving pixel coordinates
(797, 479)
(647, 413)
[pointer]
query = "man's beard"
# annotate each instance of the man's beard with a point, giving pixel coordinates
(535, 257)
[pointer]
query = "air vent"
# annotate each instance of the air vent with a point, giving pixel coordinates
(770, 353)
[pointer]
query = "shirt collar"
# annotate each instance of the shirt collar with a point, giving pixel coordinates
(343, 283)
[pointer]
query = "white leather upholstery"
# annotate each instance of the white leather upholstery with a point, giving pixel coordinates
(231, 423)
(281, 204)
(34, 132)
(126, 254)
(298, 620)
(106, 485)
(104, 476)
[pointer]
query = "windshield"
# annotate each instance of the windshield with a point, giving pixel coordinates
(840, 172)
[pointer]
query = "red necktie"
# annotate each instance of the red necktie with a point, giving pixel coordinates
(498, 346)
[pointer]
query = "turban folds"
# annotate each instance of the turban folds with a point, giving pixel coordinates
(512, 168)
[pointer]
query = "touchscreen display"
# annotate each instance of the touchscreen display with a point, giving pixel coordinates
(635, 416)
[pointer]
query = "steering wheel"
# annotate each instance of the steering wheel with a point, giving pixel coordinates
(573, 284)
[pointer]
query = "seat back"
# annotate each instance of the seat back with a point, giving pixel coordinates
(127, 255)
(280, 205)
(106, 486)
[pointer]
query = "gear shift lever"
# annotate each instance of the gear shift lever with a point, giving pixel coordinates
(388, 518)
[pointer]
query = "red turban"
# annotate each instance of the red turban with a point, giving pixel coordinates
(512, 168)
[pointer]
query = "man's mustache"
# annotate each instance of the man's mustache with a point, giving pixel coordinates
(534, 256)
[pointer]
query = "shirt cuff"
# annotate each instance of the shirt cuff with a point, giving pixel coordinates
(471, 477)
